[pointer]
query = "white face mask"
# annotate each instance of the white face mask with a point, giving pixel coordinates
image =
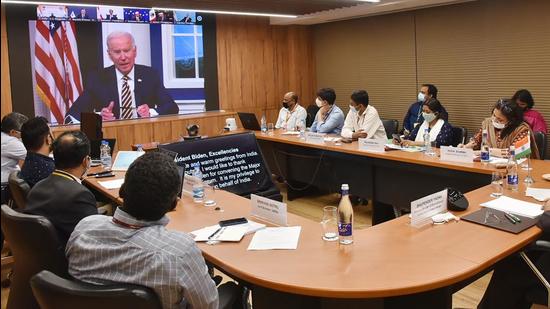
(319, 102)
(428, 117)
(498, 125)
(421, 97)
(353, 109)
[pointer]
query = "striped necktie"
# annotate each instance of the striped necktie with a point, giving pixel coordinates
(126, 99)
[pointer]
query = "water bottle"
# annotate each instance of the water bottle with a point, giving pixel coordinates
(198, 187)
(302, 129)
(485, 156)
(427, 143)
(263, 124)
(345, 218)
(105, 154)
(512, 170)
(139, 148)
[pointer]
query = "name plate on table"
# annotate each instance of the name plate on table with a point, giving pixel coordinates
(270, 210)
(188, 182)
(422, 210)
(373, 145)
(316, 138)
(462, 155)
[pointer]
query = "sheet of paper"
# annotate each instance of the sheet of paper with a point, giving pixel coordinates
(332, 139)
(228, 233)
(540, 195)
(291, 133)
(272, 238)
(204, 233)
(517, 207)
(112, 184)
(406, 149)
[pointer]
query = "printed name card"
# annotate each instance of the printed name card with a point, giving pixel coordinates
(316, 138)
(373, 145)
(462, 155)
(422, 210)
(270, 210)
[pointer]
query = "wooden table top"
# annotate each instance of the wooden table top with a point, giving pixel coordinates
(389, 259)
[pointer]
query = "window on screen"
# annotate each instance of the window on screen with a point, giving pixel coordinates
(183, 56)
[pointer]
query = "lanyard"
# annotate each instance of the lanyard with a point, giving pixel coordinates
(64, 174)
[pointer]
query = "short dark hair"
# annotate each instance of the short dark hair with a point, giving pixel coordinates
(512, 112)
(432, 90)
(33, 133)
(151, 186)
(360, 97)
(13, 121)
(435, 106)
(70, 149)
(524, 96)
(327, 94)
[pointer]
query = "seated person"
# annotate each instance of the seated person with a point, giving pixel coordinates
(102, 249)
(533, 118)
(61, 197)
(13, 151)
(513, 278)
(441, 132)
(38, 140)
(504, 129)
(329, 118)
(414, 114)
(362, 120)
(291, 114)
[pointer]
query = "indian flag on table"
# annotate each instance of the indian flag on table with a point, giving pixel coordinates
(523, 147)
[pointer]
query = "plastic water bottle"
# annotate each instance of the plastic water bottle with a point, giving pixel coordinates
(345, 218)
(139, 148)
(428, 144)
(263, 125)
(105, 154)
(302, 129)
(198, 187)
(512, 170)
(485, 156)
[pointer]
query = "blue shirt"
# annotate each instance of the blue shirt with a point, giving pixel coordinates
(36, 168)
(414, 115)
(333, 122)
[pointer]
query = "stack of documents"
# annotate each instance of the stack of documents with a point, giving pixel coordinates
(540, 195)
(516, 207)
(229, 233)
(272, 238)
(407, 149)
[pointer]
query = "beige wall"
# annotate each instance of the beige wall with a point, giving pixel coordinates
(6, 90)
(475, 53)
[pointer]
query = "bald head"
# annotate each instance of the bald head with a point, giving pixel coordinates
(71, 149)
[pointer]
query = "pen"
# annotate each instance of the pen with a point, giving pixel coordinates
(216, 232)
(510, 218)
(514, 217)
(100, 173)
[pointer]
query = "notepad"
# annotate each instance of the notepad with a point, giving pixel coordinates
(112, 184)
(514, 206)
(228, 235)
(272, 238)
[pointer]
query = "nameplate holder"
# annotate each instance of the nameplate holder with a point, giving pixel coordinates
(372, 145)
(316, 138)
(453, 154)
(422, 210)
(269, 210)
(188, 182)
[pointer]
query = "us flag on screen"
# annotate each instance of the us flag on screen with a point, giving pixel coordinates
(57, 69)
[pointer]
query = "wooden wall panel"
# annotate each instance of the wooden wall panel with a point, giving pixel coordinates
(258, 63)
(6, 85)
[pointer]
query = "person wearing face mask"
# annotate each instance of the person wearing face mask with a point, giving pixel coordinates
(13, 150)
(441, 132)
(504, 129)
(61, 197)
(362, 120)
(291, 114)
(38, 140)
(329, 118)
(534, 119)
(414, 114)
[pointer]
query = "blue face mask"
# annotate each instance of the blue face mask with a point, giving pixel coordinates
(429, 117)
(353, 109)
(421, 97)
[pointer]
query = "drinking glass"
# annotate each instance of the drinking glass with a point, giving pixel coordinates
(270, 128)
(330, 223)
(301, 127)
(209, 193)
(497, 179)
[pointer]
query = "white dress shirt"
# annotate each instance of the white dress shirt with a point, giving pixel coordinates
(368, 122)
(13, 151)
(289, 119)
(131, 83)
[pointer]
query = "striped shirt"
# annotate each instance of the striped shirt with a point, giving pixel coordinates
(123, 249)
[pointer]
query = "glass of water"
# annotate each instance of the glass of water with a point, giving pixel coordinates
(270, 128)
(497, 181)
(330, 223)
(209, 193)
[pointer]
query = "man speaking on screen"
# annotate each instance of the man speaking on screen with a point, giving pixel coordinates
(124, 90)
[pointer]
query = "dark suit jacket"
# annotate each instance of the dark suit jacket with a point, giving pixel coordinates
(111, 17)
(101, 88)
(63, 201)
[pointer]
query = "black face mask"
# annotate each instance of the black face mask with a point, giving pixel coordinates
(285, 104)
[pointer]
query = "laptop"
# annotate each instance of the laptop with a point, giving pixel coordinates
(249, 121)
(181, 168)
(124, 159)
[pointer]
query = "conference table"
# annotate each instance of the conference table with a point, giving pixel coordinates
(390, 265)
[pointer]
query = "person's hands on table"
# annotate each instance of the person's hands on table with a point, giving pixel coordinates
(359, 134)
(143, 111)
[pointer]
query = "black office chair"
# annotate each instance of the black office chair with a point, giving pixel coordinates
(311, 113)
(391, 126)
(19, 190)
(35, 247)
(460, 134)
(540, 139)
(538, 296)
(54, 292)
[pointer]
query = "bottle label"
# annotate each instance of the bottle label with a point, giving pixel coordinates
(513, 179)
(484, 156)
(344, 229)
